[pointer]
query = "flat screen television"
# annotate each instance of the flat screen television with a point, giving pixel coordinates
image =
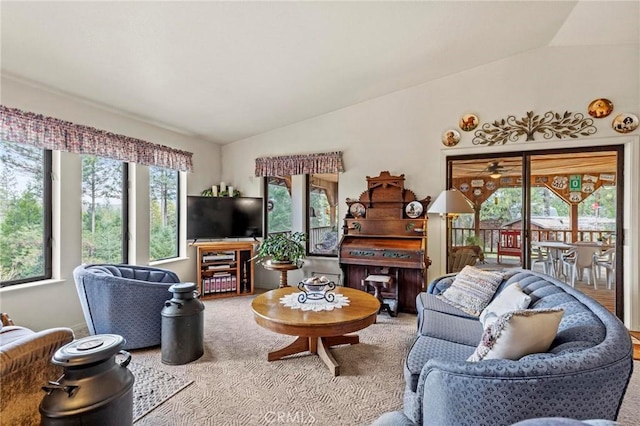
(224, 217)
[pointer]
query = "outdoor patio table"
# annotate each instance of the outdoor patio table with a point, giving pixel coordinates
(555, 249)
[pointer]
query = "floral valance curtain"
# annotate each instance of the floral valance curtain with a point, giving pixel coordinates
(330, 162)
(51, 133)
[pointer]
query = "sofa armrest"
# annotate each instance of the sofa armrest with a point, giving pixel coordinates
(465, 392)
(25, 366)
(440, 284)
(22, 353)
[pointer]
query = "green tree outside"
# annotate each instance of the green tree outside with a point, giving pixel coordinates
(163, 193)
(102, 234)
(21, 212)
(280, 216)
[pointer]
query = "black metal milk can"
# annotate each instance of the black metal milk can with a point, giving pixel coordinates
(182, 325)
(95, 389)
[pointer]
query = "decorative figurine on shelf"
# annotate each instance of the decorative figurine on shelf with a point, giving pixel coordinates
(213, 192)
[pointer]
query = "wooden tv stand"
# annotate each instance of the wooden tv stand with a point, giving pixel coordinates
(225, 268)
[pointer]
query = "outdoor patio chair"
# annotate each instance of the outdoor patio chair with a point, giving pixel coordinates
(462, 258)
(543, 258)
(576, 260)
(606, 260)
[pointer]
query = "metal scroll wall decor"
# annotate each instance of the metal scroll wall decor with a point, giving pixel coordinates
(567, 125)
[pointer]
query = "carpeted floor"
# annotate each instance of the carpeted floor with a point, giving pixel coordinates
(235, 385)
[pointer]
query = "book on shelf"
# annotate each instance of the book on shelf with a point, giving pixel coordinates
(220, 266)
(212, 257)
(219, 284)
(206, 286)
(218, 257)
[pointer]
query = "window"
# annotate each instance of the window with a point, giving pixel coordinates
(163, 194)
(322, 214)
(25, 213)
(279, 209)
(104, 210)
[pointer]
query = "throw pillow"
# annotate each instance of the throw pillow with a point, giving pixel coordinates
(472, 289)
(512, 298)
(518, 333)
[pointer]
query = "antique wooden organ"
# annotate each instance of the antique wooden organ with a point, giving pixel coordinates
(385, 232)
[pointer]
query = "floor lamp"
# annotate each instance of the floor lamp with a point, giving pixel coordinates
(449, 205)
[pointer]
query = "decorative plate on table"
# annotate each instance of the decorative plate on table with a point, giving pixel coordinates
(625, 123)
(600, 108)
(413, 209)
(451, 137)
(357, 209)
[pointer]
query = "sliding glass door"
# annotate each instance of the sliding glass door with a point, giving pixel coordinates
(555, 211)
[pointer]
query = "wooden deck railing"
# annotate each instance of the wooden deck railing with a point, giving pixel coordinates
(489, 238)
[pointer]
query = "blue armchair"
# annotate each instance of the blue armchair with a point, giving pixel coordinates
(124, 300)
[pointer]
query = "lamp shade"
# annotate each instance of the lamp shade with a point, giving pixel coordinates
(451, 201)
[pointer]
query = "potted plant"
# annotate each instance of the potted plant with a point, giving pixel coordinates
(282, 248)
(472, 240)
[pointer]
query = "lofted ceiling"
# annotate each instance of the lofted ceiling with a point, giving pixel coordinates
(224, 71)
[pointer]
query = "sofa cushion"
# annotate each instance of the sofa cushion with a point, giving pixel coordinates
(512, 298)
(426, 302)
(426, 348)
(431, 302)
(466, 331)
(472, 289)
(518, 333)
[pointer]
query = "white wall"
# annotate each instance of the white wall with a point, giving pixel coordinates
(401, 132)
(55, 303)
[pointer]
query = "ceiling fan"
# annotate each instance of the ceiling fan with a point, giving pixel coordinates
(495, 170)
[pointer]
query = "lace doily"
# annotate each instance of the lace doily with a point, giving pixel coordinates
(291, 300)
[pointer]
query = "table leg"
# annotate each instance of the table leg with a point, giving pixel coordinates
(316, 345)
(327, 358)
(556, 261)
(348, 339)
(301, 344)
(283, 279)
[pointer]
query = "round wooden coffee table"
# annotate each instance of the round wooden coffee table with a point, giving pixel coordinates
(316, 331)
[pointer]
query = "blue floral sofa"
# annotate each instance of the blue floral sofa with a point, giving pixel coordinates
(124, 299)
(583, 375)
